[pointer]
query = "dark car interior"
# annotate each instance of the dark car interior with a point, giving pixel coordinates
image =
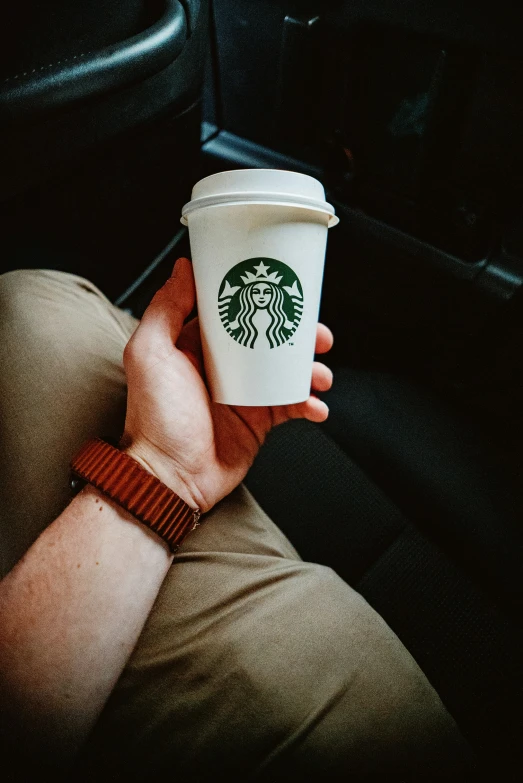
(411, 115)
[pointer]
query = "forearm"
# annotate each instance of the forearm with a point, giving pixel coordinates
(71, 612)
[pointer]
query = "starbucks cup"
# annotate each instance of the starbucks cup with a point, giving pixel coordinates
(258, 239)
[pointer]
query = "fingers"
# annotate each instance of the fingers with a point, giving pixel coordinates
(324, 339)
(313, 409)
(321, 377)
(172, 304)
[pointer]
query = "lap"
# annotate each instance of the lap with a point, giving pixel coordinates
(251, 661)
(258, 664)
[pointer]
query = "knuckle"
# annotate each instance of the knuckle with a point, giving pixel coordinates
(129, 352)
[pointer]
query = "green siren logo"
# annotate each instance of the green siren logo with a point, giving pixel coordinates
(261, 302)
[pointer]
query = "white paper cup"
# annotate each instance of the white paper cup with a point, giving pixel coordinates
(258, 239)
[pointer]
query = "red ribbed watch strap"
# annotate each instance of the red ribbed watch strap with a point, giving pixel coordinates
(140, 493)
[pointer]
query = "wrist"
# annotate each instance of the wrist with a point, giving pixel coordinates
(162, 467)
(123, 523)
(139, 490)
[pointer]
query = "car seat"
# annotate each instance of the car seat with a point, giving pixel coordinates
(99, 132)
(404, 501)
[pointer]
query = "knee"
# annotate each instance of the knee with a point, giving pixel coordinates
(37, 303)
(19, 308)
(23, 294)
(22, 289)
(16, 285)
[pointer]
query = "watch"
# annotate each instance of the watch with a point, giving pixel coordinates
(123, 480)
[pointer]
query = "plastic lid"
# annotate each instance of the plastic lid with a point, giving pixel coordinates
(260, 186)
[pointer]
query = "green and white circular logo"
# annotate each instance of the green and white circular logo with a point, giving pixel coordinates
(260, 302)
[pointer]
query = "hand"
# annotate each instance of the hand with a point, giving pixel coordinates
(200, 449)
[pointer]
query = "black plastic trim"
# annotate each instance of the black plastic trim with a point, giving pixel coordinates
(122, 300)
(373, 230)
(61, 84)
(228, 149)
(242, 153)
(502, 276)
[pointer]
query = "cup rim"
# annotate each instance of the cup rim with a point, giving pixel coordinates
(272, 199)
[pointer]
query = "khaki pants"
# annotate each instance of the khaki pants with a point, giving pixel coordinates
(253, 663)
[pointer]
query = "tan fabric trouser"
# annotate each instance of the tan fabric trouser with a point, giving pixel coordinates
(253, 663)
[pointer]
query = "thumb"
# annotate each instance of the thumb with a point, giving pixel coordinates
(173, 303)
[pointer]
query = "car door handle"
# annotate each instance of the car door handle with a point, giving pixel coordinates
(69, 81)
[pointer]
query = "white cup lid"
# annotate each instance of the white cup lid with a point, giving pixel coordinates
(260, 186)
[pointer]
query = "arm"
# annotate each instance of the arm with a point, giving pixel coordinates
(72, 610)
